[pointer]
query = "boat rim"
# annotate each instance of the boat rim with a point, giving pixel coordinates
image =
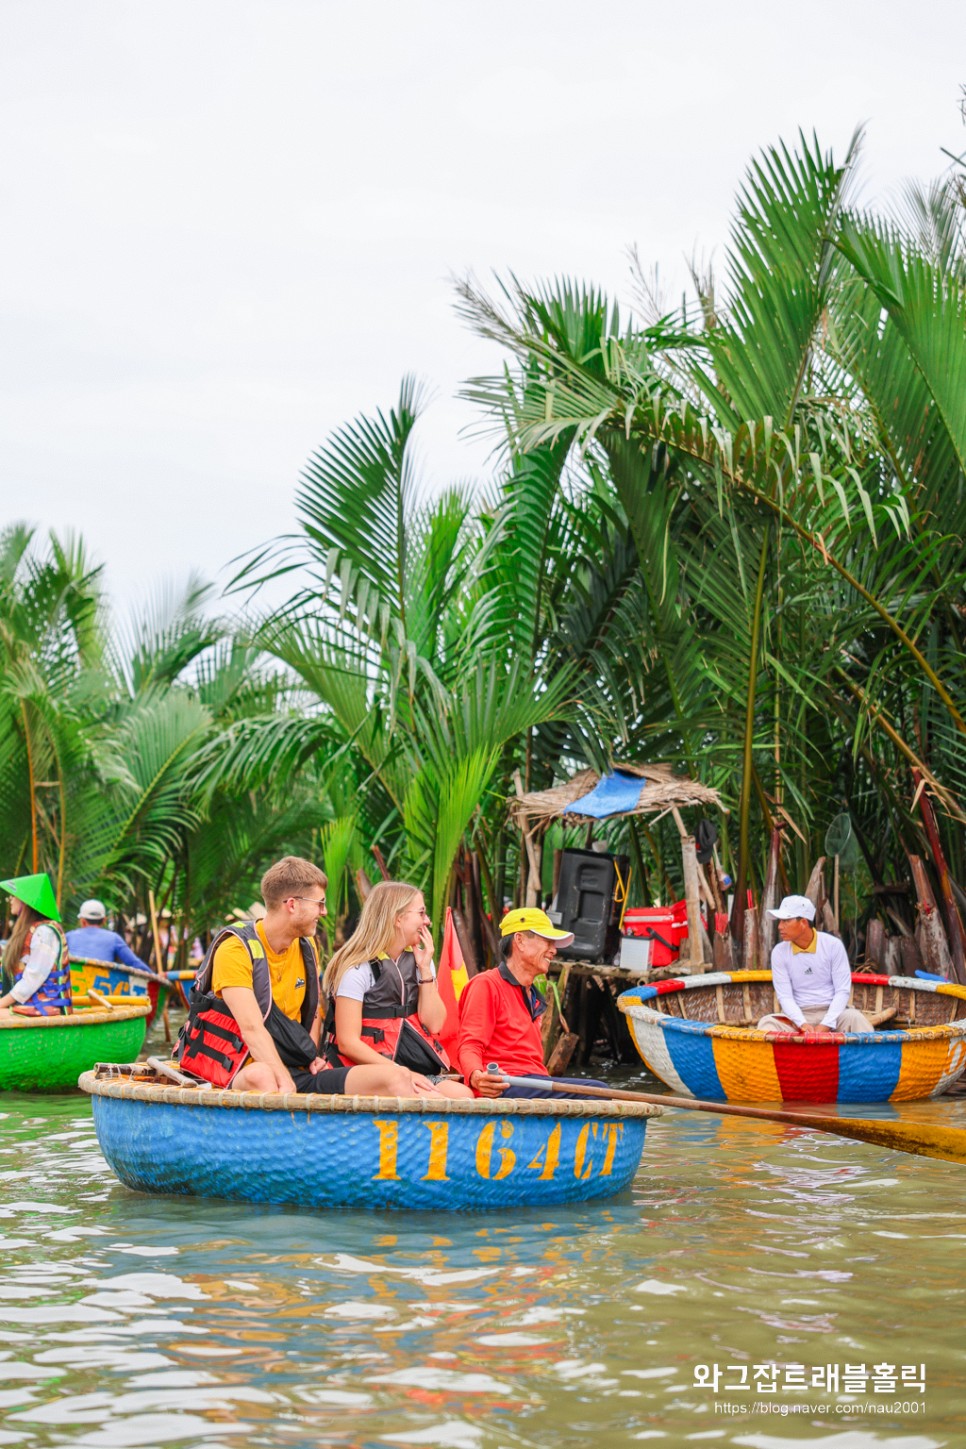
(636, 1003)
(138, 973)
(96, 1017)
(174, 1096)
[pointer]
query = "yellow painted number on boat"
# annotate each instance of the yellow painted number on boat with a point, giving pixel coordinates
(438, 1145)
(548, 1156)
(613, 1132)
(584, 1160)
(388, 1150)
(484, 1151)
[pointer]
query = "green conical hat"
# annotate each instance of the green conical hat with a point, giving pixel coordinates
(35, 891)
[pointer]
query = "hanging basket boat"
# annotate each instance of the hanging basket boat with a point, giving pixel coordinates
(363, 1152)
(48, 1053)
(119, 983)
(698, 1036)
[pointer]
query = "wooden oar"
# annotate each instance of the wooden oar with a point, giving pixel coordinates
(101, 1000)
(922, 1138)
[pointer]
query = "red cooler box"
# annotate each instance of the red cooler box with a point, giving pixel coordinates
(664, 926)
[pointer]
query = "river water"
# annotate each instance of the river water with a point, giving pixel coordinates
(759, 1286)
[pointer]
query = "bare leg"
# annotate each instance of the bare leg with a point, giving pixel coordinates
(254, 1077)
(453, 1089)
(379, 1081)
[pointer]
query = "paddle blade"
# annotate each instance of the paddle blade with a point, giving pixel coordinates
(921, 1138)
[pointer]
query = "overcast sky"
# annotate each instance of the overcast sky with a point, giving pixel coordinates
(230, 225)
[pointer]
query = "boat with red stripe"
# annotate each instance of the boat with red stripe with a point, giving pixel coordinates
(698, 1034)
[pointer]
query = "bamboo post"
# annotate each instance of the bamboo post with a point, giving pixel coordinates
(766, 926)
(160, 967)
(751, 961)
(954, 923)
(465, 942)
(689, 859)
(533, 879)
(932, 937)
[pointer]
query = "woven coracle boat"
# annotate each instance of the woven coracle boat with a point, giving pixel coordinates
(362, 1152)
(116, 981)
(48, 1053)
(698, 1035)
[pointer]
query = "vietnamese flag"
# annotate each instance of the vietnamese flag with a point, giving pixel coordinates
(451, 977)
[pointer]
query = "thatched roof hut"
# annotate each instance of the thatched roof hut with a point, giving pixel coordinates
(662, 792)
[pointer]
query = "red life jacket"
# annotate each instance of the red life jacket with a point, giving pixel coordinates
(210, 1044)
(390, 1020)
(52, 995)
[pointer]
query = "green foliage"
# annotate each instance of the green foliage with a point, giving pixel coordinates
(730, 537)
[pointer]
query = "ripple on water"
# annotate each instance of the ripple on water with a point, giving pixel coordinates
(134, 1321)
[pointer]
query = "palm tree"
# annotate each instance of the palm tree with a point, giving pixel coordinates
(800, 587)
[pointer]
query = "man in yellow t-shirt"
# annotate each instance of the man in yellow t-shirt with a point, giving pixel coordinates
(294, 894)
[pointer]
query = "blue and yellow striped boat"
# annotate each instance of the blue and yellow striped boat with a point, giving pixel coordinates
(320, 1152)
(119, 983)
(698, 1036)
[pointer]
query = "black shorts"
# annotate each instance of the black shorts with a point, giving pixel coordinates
(331, 1082)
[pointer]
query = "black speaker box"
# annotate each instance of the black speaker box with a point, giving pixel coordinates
(585, 904)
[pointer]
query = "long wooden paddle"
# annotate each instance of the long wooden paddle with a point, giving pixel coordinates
(922, 1138)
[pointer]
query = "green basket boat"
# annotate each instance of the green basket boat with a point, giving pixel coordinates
(49, 1053)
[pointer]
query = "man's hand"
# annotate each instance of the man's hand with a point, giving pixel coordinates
(423, 1087)
(319, 1065)
(486, 1084)
(820, 1030)
(283, 1078)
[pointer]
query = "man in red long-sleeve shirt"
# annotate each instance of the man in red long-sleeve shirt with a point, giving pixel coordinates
(500, 1010)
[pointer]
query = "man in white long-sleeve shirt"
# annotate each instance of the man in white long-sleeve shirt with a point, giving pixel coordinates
(811, 976)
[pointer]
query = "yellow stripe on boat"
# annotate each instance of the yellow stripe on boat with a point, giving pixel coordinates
(923, 1069)
(746, 1067)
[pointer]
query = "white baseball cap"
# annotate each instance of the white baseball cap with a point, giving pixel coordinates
(92, 911)
(792, 907)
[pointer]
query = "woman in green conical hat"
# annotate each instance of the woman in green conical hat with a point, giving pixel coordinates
(36, 965)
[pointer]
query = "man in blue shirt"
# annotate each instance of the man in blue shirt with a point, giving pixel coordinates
(93, 942)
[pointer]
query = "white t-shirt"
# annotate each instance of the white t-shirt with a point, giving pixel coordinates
(822, 977)
(44, 955)
(359, 980)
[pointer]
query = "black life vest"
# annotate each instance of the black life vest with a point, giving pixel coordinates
(390, 1020)
(210, 1044)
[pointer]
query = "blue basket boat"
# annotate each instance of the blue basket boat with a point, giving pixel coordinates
(362, 1152)
(698, 1036)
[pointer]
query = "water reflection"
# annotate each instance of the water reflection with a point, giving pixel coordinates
(137, 1321)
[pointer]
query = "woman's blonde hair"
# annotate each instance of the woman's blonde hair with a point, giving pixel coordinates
(375, 932)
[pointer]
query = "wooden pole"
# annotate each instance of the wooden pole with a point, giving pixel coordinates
(932, 938)
(533, 879)
(689, 858)
(161, 967)
(954, 922)
(766, 926)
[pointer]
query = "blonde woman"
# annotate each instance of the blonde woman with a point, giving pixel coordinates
(381, 985)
